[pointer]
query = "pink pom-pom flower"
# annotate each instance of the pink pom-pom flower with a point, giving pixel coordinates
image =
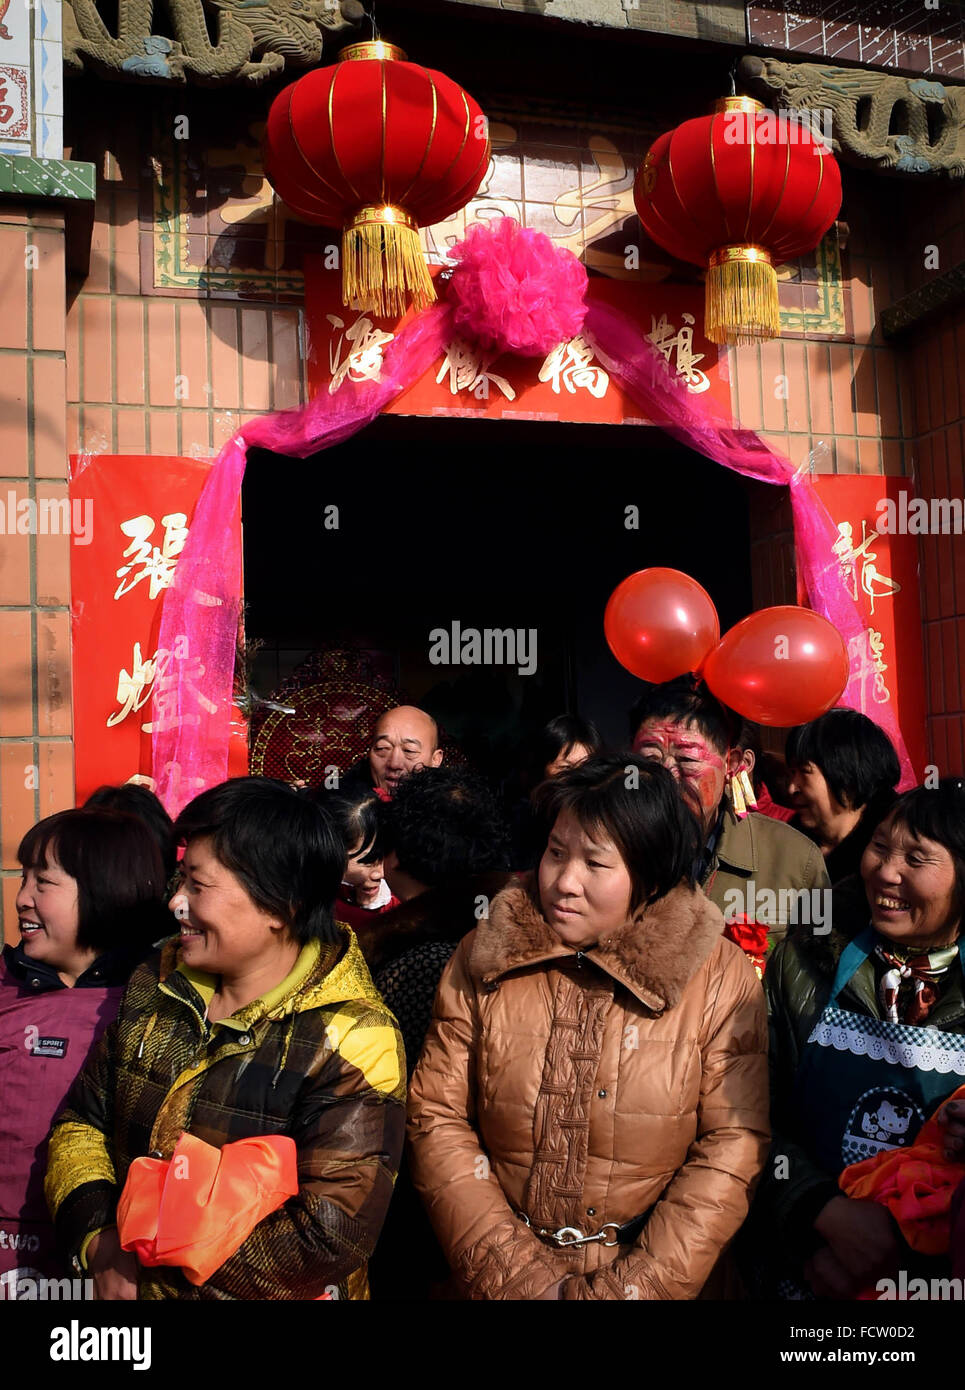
(514, 291)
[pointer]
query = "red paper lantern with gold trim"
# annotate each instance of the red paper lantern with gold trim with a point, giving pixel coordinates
(740, 191)
(379, 147)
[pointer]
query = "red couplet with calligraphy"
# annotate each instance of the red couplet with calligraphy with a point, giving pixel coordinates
(138, 515)
(567, 384)
(879, 567)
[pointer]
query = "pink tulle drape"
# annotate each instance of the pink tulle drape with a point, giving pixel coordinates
(199, 621)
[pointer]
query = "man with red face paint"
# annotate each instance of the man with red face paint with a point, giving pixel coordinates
(757, 870)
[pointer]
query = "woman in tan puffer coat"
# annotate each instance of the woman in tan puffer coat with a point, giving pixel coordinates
(596, 1064)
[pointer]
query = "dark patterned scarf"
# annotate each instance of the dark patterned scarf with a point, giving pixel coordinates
(908, 984)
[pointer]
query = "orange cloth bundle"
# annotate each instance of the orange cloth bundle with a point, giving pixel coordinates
(915, 1184)
(197, 1207)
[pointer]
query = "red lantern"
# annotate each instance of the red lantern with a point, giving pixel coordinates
(739, 192)
(379, 147)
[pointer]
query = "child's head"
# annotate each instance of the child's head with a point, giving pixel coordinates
(357, 818)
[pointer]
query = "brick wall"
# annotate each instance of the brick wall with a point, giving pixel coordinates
(36, 752)
(844, 402)
(165, 374)
(937, 351)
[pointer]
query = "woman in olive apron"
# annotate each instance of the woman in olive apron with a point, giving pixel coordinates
(867, 1027)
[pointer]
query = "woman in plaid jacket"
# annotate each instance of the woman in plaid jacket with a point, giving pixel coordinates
(259, 1019)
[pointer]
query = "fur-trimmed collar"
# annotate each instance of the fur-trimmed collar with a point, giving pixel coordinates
(654, 955)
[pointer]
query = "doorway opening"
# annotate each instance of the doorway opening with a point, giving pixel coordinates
(419, 523)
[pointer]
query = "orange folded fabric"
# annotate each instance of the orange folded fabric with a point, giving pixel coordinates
(197, 1207)
(915, 1184)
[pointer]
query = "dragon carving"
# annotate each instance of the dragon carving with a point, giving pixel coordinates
(901, 125)
(201, 41)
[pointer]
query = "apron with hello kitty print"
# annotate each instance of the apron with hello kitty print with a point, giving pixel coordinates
(863, 1084)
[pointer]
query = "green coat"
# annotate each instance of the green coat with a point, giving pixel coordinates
(319, 1059)
(797, 985)
(774, 858)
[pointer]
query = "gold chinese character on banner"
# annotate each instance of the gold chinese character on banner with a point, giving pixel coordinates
(570, 364)
(172, 688)
(468, 369)
(865, 658)
(363, 358)
(877, 644)
(134, 687)
(848, 556)
(156, 562)
(681, 343)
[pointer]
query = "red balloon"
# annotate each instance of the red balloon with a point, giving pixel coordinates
(660, 624)
(780, 666)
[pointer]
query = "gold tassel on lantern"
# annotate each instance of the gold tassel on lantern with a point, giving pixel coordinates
(741, 296)
(382, 263)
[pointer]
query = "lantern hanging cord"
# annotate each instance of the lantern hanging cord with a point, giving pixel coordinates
(370, 16)
(733, 78)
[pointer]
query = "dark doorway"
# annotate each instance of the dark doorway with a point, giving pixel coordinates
(493, 524)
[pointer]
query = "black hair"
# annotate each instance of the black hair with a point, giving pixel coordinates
(142, 803)
(855, 756)
(444, 826)
(637, 803)
(560, 734)
(688, 700)
(357, 816)
(283, 849)
(120, 876)
(937, 813)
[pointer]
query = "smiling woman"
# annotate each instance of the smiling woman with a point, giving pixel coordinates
(259, 1020)
(89, 907)
(867, 1040)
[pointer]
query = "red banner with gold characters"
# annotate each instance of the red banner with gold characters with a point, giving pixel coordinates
(140, 512)
(879, 566)
(567, 384)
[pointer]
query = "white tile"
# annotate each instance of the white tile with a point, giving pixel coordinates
(49, 78)
(48, 21)
(16, 49)
(50, 136)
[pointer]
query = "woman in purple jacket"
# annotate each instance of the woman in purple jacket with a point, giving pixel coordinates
(89, 908)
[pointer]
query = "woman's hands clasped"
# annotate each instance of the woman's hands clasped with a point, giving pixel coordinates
(952, 1118)
(861, 1246)
(113, 1270)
